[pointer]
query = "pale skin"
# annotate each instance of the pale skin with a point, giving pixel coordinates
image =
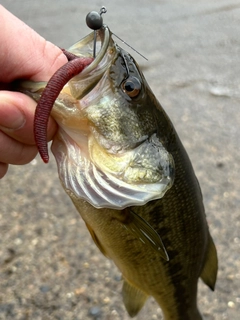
(24, 55)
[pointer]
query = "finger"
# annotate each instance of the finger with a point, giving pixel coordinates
(14, 152)
(17, 117)
(3, 169)
(25, 53)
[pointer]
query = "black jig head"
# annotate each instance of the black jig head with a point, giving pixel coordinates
(94, 21)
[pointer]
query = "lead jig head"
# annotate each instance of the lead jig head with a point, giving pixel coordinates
(94, 21)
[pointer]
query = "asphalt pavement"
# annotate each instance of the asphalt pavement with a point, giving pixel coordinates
(49, 266)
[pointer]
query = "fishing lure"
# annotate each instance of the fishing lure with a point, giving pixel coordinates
(73, 67)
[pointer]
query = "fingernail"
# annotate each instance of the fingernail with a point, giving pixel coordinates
(11, 117)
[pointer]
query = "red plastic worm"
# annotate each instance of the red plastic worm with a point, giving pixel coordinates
(50, 94)
(70, 56)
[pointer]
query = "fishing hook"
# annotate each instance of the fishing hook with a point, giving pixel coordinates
(94, 21)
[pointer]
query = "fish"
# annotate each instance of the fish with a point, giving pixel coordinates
(122, 163)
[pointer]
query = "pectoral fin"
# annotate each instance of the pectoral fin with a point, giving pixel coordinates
(133, 298)
(141, 229)
(210, 268)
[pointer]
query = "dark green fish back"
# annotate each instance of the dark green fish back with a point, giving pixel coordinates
(179, 218)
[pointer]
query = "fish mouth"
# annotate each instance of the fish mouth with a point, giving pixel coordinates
(84, 48)
(86, 80)
(88, 171)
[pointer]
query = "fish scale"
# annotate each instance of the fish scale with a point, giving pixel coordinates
(155, 230)
(182, 233)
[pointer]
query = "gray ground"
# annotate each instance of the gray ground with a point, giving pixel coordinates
(49, 266)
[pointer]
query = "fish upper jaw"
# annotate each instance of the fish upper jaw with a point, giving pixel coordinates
(106, 49)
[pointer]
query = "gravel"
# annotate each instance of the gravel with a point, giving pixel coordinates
(49, 266)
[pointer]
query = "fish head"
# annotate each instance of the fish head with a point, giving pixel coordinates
(109, 148)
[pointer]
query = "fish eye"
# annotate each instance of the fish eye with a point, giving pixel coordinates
(132, 87)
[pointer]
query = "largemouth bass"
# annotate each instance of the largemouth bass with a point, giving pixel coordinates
(123, 165)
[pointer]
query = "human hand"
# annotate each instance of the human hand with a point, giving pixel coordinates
(24, 55)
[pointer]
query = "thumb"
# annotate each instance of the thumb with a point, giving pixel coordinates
(17, 117)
